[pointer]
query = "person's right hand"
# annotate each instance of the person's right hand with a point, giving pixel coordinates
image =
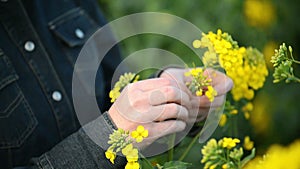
(160, 105)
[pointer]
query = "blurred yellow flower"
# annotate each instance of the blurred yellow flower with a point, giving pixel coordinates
(260, 118)
(269, 51)
(248, 107)
(247, 115)
(278, 157)
(225, 166)
(248, 144)
(223, 120)
(130, 153)
(234, 111)
(139, 134)
(259, 13)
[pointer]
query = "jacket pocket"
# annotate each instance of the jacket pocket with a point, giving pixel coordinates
(17, 121)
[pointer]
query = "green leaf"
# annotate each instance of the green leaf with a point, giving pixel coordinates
(248, 158)
(176, 165)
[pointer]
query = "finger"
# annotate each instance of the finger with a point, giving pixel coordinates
(178, 81)
(151, 84)
(160, 129)
(170, 111)
(169, 94)
(204, 101)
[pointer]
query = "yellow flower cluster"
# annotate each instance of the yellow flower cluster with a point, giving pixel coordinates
(278, 157)
(282, 61)
(246, 66)
(123, 81)
(223, 154)
(259, 13)
(200, 83)
(119, 140)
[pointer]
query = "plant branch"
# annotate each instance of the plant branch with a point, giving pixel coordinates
(189, 147)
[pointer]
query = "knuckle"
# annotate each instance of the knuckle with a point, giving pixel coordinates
(173, 107)
(166, 81)
(184, 112)
(170, 91)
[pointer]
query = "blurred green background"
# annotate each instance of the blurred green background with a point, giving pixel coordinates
(263, 24)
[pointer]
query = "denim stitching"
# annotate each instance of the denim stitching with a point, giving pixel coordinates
(32, 123)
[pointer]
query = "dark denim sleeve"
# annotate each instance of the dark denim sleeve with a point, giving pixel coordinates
(83, 149)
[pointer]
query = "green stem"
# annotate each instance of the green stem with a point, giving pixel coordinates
(149, 165)
(171, 147)
(235, 126)
(296, 61)
(189, 147)
(296, 79)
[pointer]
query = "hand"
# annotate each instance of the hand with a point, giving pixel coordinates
(160, 105)
(221, 83)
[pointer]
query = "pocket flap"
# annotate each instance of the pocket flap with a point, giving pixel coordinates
(73, 27)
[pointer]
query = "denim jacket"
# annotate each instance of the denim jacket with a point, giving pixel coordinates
(39, 43)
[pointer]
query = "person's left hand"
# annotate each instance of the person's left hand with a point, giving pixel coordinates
(221, 83)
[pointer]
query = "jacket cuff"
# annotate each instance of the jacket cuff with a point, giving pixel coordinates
(83, 149)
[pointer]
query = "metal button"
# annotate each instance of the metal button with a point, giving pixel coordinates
(29, 46)
(56, 95)
(79, 33)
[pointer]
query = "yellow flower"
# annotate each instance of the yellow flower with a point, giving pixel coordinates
(194, 72)
(114, 94)
(130, 153)
(139, 134)
(110, 155)
(132, 165)
(211, 93)
(225, 166)
(199, 92)
(248, 144)
(229, 142)
(234, 111)
(223, 120)
(213, 166)
(248, 107)
(247, 115)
